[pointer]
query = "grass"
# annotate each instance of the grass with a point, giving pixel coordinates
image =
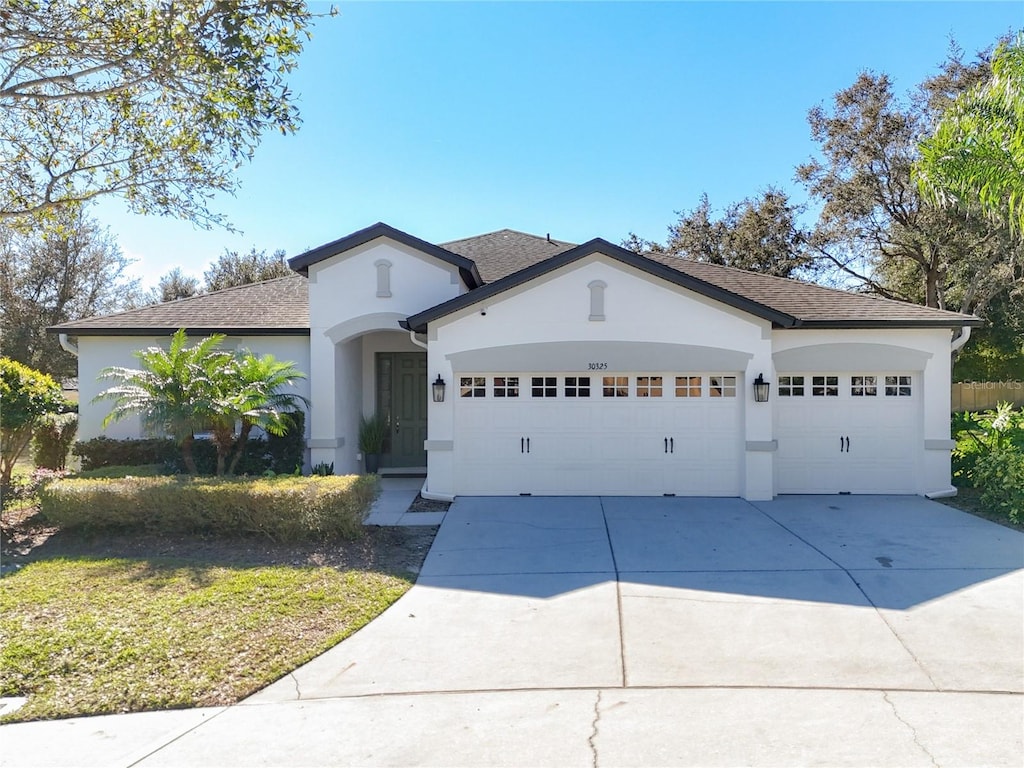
(81, 636)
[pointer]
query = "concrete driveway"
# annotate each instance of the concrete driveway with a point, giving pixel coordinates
(613, 631)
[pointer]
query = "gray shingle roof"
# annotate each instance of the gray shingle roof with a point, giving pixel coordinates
(499, 254)
(506, 258)
(273, 307)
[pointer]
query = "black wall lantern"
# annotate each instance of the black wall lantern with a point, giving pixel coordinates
(438, 387)
(761, 388)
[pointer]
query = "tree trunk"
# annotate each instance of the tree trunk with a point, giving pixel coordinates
(243, 436)
(186, 455)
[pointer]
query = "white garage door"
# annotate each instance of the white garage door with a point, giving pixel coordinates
(848, 432)
(613, 434)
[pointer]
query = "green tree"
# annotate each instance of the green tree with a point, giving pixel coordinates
(175, 391)
(975, 158)
(159, 102)
(875, 232)
(760, 235)
(67, 269)
(26, 396)
(234, 268)
(173, 286)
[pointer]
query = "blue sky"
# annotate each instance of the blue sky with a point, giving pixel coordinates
(576, 119)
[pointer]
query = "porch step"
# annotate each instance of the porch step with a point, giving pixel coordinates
(403, 472)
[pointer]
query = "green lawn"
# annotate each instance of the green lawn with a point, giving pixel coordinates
(82, 636)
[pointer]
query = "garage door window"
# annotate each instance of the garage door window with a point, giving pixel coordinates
(544, 386)
(825, 386)
(897, 386)
(577, 386)
(472, 386)
(722, 386)
(615, 386)
(688, 386)
(791, 386)
(864, 386)
(648, 386)
(506, 386)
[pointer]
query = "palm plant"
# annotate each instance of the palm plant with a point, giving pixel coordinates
(175, 391)
(260, 399)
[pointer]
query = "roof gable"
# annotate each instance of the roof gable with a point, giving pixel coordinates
(467, 269)
(499, 254)
(785, 302)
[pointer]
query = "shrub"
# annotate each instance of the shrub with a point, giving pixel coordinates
(979, 434)
(104, 452)
(287, 452)
(141, 470)
(27, 395)
(1000, 476)
(54, 435)
(281, 508)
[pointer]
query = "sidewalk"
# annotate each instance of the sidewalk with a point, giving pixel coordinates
(392, 506)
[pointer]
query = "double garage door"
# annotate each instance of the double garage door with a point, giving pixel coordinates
(612, 433)
(857, 432)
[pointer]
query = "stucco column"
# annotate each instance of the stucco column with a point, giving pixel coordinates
(759, 443)
(323, 441)
(440, 427)
(935, 405)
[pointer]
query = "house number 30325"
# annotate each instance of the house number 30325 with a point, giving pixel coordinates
(597, 366)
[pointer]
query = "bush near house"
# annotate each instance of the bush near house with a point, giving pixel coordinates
(283, 509)
(989, 456)
(52, 441)
(280, 454)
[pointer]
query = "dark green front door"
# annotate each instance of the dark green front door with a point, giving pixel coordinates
(402, 399)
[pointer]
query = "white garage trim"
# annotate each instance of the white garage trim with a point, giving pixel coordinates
(837, 357)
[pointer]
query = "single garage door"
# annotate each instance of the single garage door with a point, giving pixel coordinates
(613, 434)
(848, 432)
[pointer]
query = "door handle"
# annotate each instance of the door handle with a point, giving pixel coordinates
(840, 443)
(522, 445)
(847, 444)
(671, 445)
(527, 445)
(666, 445)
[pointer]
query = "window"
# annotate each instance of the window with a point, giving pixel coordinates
(722, 386)
(472, 386)
(577, 386)
(864, 386)
(648, 386)
(897, 386)
(825, 386)
(791, 386)
(615, 386)
(688, 386)
(506, 386)
(544, 386)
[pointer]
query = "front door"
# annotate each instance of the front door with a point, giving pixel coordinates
(402, 399)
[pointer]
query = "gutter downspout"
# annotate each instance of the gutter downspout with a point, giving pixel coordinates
(959, 341)
(417, 342)
(66, 345)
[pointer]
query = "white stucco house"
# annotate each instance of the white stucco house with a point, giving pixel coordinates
(580, 369)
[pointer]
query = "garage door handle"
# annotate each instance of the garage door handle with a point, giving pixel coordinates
(671, 445)
(522, 445)
(840, 443)
(847, 445)
(666, 445)
(527, 445)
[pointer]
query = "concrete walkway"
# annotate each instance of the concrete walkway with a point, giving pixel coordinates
(392, 506)
(596, 632)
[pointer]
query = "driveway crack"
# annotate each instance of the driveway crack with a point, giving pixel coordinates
(912, 729)
(618, 597)
(592, 741)
(298, 690)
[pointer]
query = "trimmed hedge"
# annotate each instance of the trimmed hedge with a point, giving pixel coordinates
(104, 452)
(281, 508)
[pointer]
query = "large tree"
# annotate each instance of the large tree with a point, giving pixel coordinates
(157, 101)
(875, 230)
(975, 158)
(233, 268)
(760, 235)
(173, 286)
(68, 269)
